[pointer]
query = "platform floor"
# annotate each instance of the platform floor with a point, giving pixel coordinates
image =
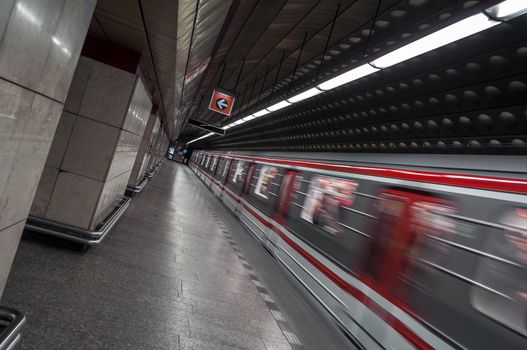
(177, 272)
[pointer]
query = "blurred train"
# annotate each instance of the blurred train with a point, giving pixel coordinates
(404, 251)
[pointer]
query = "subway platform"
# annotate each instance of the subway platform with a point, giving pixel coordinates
(177, 272)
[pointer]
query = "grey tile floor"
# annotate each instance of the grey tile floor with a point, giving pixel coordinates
(165, 278)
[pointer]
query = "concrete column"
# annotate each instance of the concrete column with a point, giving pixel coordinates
(159, 146)
(142, 159)
(150, 158)
(40, 43)
(97, 140)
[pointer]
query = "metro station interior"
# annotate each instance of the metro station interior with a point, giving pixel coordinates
(263, 174)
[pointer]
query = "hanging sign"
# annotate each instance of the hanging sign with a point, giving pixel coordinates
(222, 102)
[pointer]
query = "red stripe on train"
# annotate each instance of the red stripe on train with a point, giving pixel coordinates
(452, 179)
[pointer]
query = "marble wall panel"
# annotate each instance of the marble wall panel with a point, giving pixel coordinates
(61, 139)
(111, 195)
(9, 238)
(107, 94)
(142, 154)
(78, 85)
(44, 191)
(91, 148)
(6, 7)
(139, 164)
(125, 154)
(27, 125)
(74, 200)
(42, 41)
(138, 110)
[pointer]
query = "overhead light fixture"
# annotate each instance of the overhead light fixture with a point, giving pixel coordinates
(200, 138)
(305, 95)
(239, 121)
(227, 127)
(347, 77)
(249, 117)
(261, 113)
(279, 105)
(508, 9)
(459, 30)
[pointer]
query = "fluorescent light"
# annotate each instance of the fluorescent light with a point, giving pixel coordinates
(447, 35)
(508, 9)
(249, 117)
(349, 76)
(279, 105)
(305, 95)
(238, 122)
(227, 127)
(261, 113)
(201, 137)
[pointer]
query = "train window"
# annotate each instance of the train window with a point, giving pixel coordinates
(225, 167)
(237, 174)
(263, 187)
(326, 197)
(265, 179)
(213, 165)
(502, 275)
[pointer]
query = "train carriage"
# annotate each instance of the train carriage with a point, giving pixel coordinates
(402, 252)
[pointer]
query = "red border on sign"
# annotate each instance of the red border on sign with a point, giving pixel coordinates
(231, 99)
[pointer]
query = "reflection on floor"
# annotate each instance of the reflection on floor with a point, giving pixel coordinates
(165, 278)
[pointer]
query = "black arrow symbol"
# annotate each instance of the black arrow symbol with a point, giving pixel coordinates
(221, 103)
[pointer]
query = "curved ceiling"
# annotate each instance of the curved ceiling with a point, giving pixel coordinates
(465, 97)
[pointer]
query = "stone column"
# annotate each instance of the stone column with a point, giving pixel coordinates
(152, 146)
(40, 43)
(97, 140)
(142, 159)
(159, 146)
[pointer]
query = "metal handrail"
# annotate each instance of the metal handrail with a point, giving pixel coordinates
(138, 188)
(77, 234)
(11, 334)
(154, 170)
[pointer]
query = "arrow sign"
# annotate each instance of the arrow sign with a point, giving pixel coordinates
(221, 103)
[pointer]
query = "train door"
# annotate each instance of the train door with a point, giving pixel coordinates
(224, 176)
(212, 172)
(209, 172)
(249, 173)
(409, 230)
(235, 185)
(289, 183)
(216, 183)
